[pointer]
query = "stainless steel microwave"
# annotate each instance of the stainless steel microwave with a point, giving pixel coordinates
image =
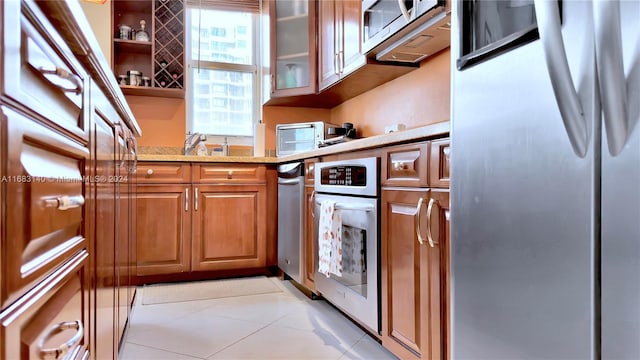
(383, 19)
(299, 137)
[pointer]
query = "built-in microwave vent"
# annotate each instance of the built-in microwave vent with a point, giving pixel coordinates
(433, 36)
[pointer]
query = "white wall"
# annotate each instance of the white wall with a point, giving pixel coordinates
(99, 16)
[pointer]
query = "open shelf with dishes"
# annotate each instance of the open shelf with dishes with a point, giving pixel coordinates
(148, 47)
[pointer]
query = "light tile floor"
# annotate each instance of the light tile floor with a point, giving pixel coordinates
(281, 325)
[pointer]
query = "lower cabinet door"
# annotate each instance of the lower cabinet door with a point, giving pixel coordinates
(163, 223)
(51, 320)
(228, 227)
(415, 236)
(404, 305)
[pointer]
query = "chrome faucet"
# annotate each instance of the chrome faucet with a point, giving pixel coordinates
(188, 146)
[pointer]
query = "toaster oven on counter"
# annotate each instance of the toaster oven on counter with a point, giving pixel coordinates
(299, 137)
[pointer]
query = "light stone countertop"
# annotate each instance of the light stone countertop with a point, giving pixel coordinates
(218, 159)
(415, 134)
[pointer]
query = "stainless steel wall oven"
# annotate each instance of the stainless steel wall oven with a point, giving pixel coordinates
(352, 185)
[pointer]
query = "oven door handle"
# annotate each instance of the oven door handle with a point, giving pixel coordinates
(342, 206)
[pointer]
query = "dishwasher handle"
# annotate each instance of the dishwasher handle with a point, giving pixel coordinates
(295, 181)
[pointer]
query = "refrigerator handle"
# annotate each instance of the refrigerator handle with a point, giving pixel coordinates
(613, 87)
(548, 16)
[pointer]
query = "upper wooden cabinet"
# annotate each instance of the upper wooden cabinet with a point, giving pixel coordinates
(338, 41)
(337, 69)
(159, 56)
(293, 47)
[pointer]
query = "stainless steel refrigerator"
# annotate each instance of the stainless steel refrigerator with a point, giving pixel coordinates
(545, 179)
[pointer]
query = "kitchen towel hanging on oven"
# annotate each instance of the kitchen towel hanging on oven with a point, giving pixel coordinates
(330, 239)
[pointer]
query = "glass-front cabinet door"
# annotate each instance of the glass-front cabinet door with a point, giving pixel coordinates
(293, 47)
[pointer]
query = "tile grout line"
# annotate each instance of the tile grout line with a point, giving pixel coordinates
(242, 338)
(163, 350)
(352, 346)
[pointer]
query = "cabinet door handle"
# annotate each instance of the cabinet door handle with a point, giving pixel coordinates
(186, 199)
(336, 65)
(341, 61)
(135, 153)
(418, 231)
(195, 200)
(432, 201)
(273, 83)
(65, 202)
(120, 134)
(312, 203)
(64, 74)
(57, 353)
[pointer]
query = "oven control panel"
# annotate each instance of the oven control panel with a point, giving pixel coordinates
(350, 175)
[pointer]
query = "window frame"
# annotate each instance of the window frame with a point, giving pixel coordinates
(253, 69)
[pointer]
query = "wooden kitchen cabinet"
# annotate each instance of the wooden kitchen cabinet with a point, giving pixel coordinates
(163, 229)
(293, 47)
(53, 319)
(162, 57)
(215, 220)
(338, 41)
(46, 233)
(336, 68)
(113, 173)
(439, 163)
(309, 245)
(415, 244)
(229, 227)
(68, 149)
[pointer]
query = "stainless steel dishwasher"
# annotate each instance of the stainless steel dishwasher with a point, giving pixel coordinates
(290, 220)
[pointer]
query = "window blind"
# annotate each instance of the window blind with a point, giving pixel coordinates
(229, 5)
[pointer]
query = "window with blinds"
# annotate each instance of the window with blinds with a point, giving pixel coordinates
(222, 59)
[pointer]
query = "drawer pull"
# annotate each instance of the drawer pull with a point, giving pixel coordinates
(230, 174)
(64, 74)
(150, 172)
(65, 202)
(418, 231)
(400, 165)
(57, 353)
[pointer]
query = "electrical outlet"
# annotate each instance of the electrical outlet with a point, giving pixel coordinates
(393, 128)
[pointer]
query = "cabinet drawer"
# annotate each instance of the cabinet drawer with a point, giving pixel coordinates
(51, 315)
(405, 165)
(40, 71)
(439, 163)
(227, 173)
(163, 173)
(45, 177)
